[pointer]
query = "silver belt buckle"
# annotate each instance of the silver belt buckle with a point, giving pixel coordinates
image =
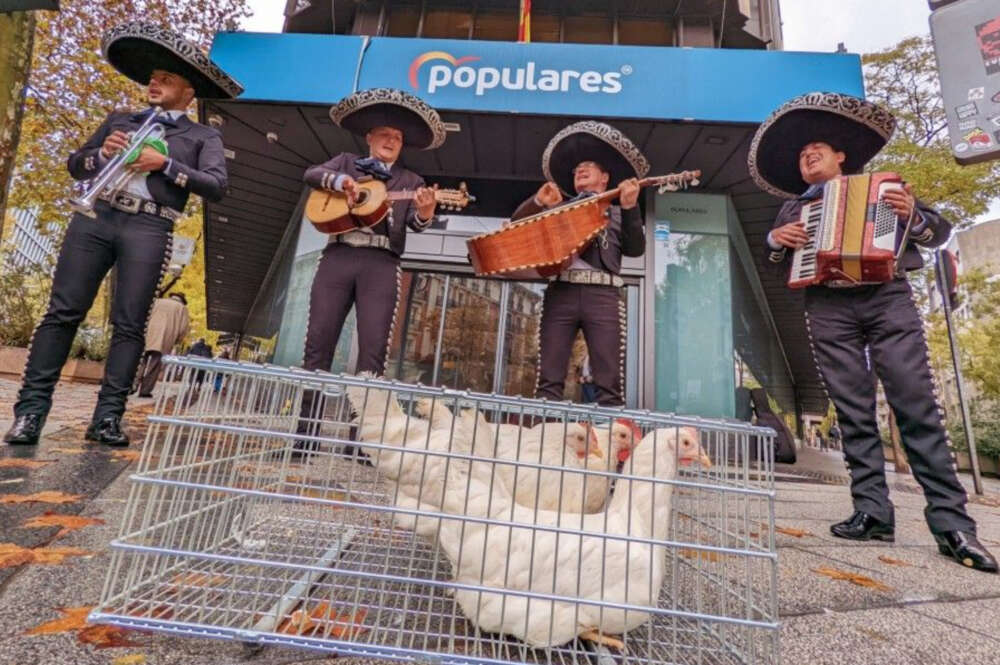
(149, 208)
(127, 203)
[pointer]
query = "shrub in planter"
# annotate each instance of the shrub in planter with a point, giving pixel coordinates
(23, 297)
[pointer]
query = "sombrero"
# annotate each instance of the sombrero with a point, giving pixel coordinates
(591, 141)
(137, 48)
(858, 128)
(387, 107)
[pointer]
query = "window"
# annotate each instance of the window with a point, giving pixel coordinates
(645, 32)
(447, 24)
(588, 29)
(402, 21)
(544, 27)
(496, 26)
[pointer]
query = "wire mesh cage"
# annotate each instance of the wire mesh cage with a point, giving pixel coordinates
(374, 518)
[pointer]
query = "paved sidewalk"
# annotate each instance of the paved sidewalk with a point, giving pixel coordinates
(930, 611)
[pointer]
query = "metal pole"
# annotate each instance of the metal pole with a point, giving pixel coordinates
(440, 339)
(501, 348)
(970, 437)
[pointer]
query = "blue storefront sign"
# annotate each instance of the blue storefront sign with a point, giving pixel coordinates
(715, 85)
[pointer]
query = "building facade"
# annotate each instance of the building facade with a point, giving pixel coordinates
(26, 244)
(704, 313)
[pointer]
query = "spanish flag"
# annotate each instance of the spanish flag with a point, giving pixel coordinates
(524, 22)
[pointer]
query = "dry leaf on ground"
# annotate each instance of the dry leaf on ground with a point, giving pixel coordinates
(19, 463)
(74, 618)
(67, 522)
(349, 625)
(853, 578)
(893, 562)
(48, 496)
(106, 637)
(705, 555)
(70, 451)
(795, 533)
(14, 555)
(130, 659)
(301, 622)
(127, 455)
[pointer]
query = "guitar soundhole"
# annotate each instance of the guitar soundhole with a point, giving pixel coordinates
(363, 197)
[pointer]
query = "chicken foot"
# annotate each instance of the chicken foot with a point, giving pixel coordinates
(594, 635)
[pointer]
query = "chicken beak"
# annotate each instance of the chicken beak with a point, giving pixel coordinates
(596, 452)
(705, 461)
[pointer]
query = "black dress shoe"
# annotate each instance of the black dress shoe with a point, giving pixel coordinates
(25, 430)
(107, 431)
(862, 526)
(966, 549)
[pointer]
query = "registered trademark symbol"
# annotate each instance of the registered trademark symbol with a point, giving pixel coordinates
(626, 69)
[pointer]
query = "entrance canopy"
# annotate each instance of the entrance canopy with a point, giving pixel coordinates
(686, 108)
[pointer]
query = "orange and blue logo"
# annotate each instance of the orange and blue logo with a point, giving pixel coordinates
(429, 56)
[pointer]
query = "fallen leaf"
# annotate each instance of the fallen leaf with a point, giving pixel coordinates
(705, 555)
(14, 555)
(853, 578)
(301, 622)
(74, 618)
(795, 533)
(105, 637)
(48, 496)
(127, 455)
(349, 625)
(893, 562)
(67, 522)
(332, 495)
(19, 463)
(70, 451)
(131, 659)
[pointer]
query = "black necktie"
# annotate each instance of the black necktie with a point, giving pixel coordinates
(373, 167)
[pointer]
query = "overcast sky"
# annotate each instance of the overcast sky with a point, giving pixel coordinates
(863, 26)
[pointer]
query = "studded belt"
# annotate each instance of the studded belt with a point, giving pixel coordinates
(135, 204)
(593, 277)
(361, 239)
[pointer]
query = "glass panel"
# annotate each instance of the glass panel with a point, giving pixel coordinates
(645, 32)
(524, 305)
(499, 26)
(447, 24)
(694, 343)
(544, 27)
(402, 21)
(588, 29)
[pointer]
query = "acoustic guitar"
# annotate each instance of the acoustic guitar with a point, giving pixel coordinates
(545, 244)
(331, 213)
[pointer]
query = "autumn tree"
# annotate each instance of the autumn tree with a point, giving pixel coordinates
(16, 36)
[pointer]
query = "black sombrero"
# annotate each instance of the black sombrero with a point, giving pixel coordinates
(591, 141)
(387, 107)
(858, 128)
(137, 48)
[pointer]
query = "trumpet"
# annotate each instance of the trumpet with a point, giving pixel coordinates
(114, 175)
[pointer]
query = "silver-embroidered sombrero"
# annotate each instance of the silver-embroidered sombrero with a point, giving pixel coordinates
(592, 141)
(387, 107)
(137, 48)
(858, 128)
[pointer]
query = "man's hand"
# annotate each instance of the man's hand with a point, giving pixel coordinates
(549, 195)
(349, 187)
(628, 197)
(148, 160)
(116, 141)
(902, 201)
(425, 202)
(791, 235)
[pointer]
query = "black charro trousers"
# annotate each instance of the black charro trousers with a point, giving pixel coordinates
(884, 319)
(367, 278)
(138, 244)
(600, 312)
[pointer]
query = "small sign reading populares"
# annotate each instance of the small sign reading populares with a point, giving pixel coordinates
(967, 43)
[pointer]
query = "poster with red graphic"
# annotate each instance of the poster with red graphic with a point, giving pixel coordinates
(988, 35)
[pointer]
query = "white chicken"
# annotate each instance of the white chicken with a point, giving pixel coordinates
(585, 570)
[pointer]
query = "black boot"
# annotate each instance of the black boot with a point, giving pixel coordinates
(862, 526)
(966, 549)
(108, 431)
(25, 430)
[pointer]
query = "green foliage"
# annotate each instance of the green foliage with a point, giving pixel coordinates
(23, 297)
(986, 425)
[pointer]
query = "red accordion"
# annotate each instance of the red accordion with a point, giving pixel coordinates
(852, 233)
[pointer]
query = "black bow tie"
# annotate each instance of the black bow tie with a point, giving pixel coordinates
(373, 167)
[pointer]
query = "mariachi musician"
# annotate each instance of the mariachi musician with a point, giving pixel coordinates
(132, 227)
(860, 331)
(361, 267)
(585, 158)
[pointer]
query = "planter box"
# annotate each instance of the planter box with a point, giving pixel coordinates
(12, 360)
(990, 465)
